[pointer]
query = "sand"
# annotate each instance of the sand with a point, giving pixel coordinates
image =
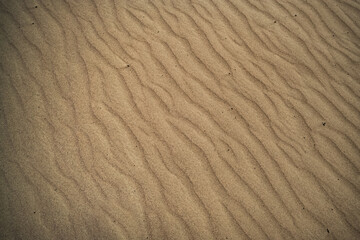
(189, 119)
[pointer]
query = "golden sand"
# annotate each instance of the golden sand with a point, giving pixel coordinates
(182, 119)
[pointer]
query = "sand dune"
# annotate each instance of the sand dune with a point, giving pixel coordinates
(208, 119)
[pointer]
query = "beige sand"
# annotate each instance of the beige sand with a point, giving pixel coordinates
(182, 119)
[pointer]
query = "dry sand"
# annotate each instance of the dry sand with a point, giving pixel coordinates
(206, 119)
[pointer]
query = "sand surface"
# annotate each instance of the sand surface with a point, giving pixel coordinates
(182, 119)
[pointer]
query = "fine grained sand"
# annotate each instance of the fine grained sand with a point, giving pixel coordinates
(183, 119)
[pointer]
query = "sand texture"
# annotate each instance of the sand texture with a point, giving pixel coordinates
(180, 119)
